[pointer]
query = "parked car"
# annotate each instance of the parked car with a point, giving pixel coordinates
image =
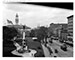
(34, 38)
(64, 47)
(61, 41)
(56, 38)
(51, 41)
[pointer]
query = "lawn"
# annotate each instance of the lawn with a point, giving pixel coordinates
(8, 47)
(37, 46)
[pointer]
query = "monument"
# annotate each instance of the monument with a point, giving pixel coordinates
(23, 50)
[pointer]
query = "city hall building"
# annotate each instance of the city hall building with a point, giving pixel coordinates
(19, 27)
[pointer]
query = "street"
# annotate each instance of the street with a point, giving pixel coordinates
(61, 53)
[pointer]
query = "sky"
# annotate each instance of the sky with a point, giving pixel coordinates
(34, 15)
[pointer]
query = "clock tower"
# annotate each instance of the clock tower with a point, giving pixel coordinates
(17, 19)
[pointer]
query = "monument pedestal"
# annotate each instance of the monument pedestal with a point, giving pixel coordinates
(25, 54)
(23, 50)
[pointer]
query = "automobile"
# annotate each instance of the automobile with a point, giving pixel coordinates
(51, 41)
(56, 38)
(34, 38)
(61, 41)
(64, 47)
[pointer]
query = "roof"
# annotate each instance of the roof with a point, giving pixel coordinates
(70, 16)
(58, 26)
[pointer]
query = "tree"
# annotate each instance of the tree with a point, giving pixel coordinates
(50, 32)
(32, 34)
(41, 33)
(9, 33)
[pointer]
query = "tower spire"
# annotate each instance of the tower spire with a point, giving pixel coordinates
(17, 19)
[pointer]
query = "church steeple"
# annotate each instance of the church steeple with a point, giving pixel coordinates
(17, 19)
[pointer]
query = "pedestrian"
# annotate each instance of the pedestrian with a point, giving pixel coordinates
(56, 51)
(45, 45)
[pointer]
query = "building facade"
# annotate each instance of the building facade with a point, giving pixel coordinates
(70, 28)
(59, 30)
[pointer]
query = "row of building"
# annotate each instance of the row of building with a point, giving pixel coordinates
(63, 31)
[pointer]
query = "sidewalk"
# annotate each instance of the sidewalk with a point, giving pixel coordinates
(46, 51)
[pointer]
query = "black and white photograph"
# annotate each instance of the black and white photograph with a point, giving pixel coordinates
(37, 29)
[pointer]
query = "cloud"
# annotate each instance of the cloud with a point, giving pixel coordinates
(32, 15)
